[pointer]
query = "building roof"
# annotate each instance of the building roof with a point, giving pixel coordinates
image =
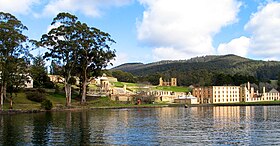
(273, 91)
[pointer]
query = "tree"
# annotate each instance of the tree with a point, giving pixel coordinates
(63, 48)
(13, 52)
(16, 77)
(94, 54)
(123, 76)
(39, 73)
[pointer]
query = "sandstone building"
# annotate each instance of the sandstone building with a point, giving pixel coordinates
(173, 82)
(233, 94)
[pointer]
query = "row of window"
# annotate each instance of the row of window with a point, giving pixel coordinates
(226, 100)
(226, 87)
(227, 92)
(223, 96)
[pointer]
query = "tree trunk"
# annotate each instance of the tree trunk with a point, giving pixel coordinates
(84, 94)
(11, 102)
(5, 91)
(1, 97)
(3, 94)
(68, 94)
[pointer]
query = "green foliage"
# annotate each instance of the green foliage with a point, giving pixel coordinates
(37, 95)
(39, 73)
(123, 76)
(63, 47)
(49, 85)
(14, 54)
(205, 71)
(278, 79)
(236, 80)
(94, 53)
(77, 50)
(47, 104)
(55, 68)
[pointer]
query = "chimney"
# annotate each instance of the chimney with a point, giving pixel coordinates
(124, 88)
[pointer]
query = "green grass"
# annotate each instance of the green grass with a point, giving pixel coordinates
(132, 84)
(173, 88)
(56, 98)
(103, 101)
(118, 84)
(21, 102)
(121, 84)
(91, 86)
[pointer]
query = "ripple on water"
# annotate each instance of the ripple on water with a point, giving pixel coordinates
(156, 126)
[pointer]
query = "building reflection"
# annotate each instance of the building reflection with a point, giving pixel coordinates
(226, 115)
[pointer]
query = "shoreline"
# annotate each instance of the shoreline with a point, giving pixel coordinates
(20, 111)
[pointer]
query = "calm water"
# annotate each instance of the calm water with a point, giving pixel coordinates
(156, 126)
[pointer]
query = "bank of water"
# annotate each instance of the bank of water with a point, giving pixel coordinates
(248, 125)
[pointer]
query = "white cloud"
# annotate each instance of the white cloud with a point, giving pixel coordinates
(184, 28)
(17, 6)
(238, 46)
(169, 53)
(90, 8)
(50, 27)
(264, 26)
(120, 59)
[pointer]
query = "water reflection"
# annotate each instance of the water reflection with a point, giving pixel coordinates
(255, 125)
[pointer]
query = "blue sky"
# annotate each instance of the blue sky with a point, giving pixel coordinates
(154, 30)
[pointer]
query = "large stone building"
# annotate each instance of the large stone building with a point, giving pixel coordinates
(173, 82)
(233, 94)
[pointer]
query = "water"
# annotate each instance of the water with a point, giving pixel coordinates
(255, 125)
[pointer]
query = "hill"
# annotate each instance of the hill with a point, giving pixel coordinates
(201, 67)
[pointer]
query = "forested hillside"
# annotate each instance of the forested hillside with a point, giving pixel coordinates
(204, 70)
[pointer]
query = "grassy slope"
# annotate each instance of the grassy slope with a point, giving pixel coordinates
(134, 86)
(22, 103)
(173, 88)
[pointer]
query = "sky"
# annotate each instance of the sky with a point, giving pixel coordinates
(153, 30)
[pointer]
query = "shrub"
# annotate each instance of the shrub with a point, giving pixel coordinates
(49, 85)
(47, 104)
(56, 89)
(37, 95)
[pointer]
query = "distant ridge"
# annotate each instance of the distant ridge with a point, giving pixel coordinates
(203, 59)
(228, 64)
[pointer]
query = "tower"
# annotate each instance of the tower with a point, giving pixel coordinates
(173, 81)
(160, 81)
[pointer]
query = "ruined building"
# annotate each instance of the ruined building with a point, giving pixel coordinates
(173, 82)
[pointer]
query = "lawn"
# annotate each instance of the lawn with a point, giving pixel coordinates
(118, 84)
(173, 88)
(121, 84)
(21, 102)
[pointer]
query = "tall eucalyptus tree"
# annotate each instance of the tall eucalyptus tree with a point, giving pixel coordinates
(13, 53)
(62, 44)
(94, 54)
